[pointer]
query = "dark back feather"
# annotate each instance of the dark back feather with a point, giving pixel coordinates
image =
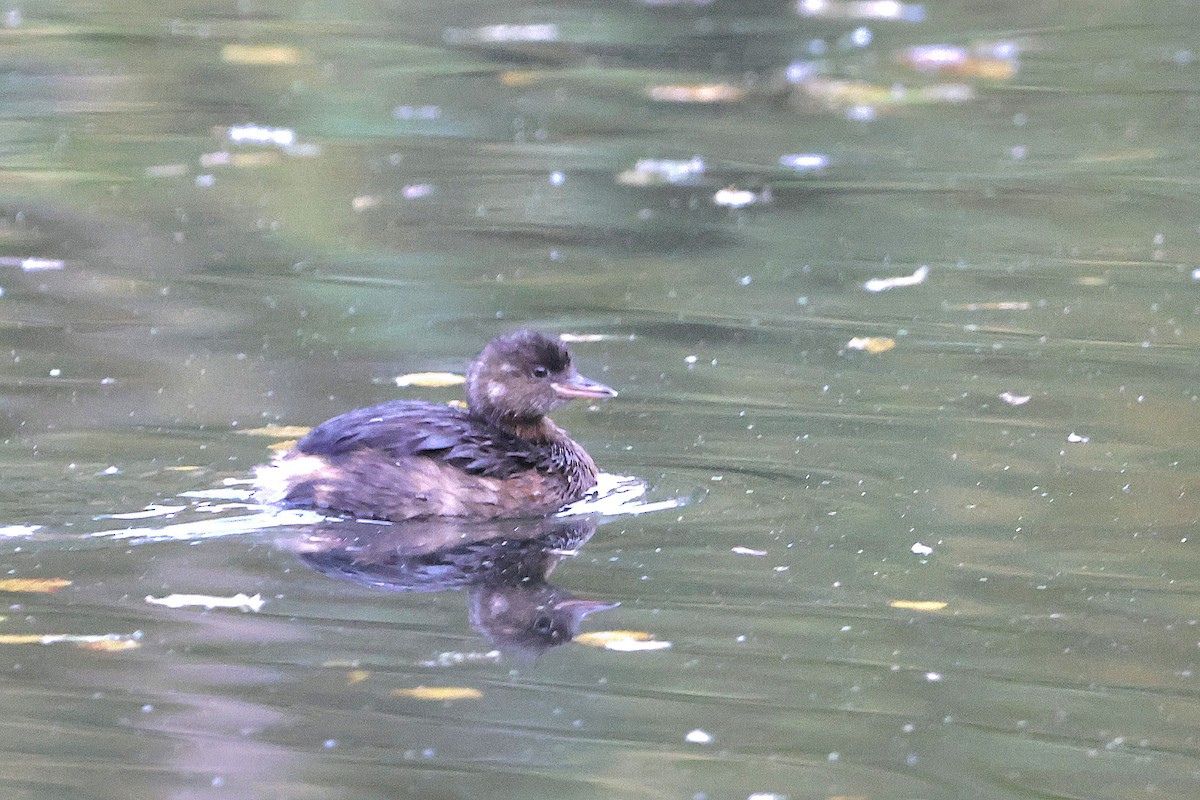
(405, 428)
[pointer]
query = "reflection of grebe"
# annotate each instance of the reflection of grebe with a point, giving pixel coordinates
(502, 564)
(500, 457)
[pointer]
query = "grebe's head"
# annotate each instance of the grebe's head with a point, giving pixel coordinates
(522, 376)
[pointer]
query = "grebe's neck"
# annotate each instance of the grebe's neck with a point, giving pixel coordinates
(531, 429)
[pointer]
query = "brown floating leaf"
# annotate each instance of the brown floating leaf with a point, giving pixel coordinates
(994, 69)
(41, 585)
(439, 693)
(918, 605)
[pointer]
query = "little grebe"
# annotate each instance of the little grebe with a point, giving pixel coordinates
(500, 457)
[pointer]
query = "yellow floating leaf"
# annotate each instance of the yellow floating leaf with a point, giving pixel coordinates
(697, 93)
(439, 693)
(918, 605)
(111, 645)
(586, 337)
(622, 641)
(341, 663)
(265, 158)
(357, 676)
(270, 54)
(276, 431)
(845, 92)
(286, 444)
(519, 77)
(110, 641)
(992, 69)
(167, 171)
(954, 60)
(430, 380)
(871, 344)
(942, 93)
(42, 585)
(184, 469)
(632, 177)
(601, 638)
(1120, 156)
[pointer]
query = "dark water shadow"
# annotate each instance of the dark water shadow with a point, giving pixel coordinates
(503, 566)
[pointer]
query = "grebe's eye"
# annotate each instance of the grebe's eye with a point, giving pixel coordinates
(540, 372)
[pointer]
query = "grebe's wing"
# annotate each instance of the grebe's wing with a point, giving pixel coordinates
(404, 428)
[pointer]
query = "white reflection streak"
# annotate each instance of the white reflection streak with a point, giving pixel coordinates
(886, 284)
(862, 9)
(215, 528)
(617, 495)
(614, 495)
(259, 134)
